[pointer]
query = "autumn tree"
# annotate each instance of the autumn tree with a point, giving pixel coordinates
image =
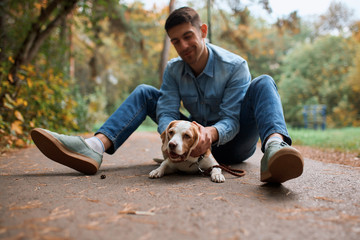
(50, 17)
(317, 74)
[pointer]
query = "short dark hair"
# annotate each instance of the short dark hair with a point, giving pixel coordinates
(182, 15)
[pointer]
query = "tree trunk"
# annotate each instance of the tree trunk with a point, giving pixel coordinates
(38, 33)
(71, 51)
(2, 34)
(166, 48)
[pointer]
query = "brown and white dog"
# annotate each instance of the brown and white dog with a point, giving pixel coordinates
(178, 140)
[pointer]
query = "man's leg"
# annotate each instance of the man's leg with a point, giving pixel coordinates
(280, 162)
(77, 153)
(129, 116)
(262, 115)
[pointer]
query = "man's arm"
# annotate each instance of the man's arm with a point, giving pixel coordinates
(229, 123)
(168, 104)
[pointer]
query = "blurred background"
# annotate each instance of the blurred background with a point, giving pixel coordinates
(67, 65)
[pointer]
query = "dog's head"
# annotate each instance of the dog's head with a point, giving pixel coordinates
(179, 139)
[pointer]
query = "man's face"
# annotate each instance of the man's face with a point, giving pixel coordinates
(188, 41)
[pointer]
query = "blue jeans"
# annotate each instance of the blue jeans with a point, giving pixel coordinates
(261, 115)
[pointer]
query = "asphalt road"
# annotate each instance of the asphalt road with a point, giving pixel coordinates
(41, 199)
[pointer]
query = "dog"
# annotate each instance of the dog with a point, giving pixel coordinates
(178, 140)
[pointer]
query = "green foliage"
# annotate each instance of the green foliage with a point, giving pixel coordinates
(344, 139)
(44, 100)
(316, 73)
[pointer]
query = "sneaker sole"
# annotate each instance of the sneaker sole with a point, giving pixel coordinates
(56, 151)
(286, 164)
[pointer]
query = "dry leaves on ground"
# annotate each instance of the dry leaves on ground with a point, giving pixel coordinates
(330, 156)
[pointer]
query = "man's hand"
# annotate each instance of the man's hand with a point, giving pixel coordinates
(208, 135)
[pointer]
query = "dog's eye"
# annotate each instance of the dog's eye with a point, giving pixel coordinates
(187, 136)
(171, 132)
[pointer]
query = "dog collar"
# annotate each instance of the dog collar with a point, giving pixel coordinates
(198, 162)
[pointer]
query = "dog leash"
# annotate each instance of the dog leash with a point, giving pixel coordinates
(232, 171)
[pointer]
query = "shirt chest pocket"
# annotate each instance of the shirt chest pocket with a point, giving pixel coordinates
(190, 103)
(213, 103)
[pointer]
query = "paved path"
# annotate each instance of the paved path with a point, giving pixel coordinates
(40, 199)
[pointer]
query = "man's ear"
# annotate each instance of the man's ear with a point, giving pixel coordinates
(204, 30)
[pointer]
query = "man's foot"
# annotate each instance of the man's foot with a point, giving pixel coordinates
(280, 163)
(71, 151)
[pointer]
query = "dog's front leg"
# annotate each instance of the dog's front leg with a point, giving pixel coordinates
(163, 169)
(216, 175)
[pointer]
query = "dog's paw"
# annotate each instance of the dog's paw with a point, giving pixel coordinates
(217, 177)
(157, 173)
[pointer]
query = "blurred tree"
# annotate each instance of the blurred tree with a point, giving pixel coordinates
(338, 17)
(166, 47)
(290, 23)
(50, 17)
(316, 74)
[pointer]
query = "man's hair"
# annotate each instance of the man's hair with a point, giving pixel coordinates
(183, 15)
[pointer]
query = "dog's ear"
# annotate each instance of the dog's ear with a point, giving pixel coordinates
(164, 139)
(196, 137)
(165, 136)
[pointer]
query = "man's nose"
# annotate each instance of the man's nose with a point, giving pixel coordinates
(183, 45)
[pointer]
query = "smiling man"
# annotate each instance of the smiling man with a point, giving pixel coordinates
(231, 110)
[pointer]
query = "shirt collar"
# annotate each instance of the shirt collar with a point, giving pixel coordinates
(209, 68)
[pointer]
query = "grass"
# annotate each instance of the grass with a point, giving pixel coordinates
(344, 139)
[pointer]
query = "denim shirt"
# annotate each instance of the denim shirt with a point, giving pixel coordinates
(213, 98)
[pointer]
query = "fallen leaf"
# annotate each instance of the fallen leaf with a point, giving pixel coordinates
(132, 212)
(29, 205)
(92, 226)
(92, 200)
(329, 199)
(298, 209)
(220, 198)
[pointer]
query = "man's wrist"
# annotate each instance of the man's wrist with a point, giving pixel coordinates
(214, 134)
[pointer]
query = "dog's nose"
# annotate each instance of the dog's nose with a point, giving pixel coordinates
(172, 145)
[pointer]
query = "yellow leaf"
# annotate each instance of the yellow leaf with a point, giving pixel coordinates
(21, 77)
(11, 59)
(10, 77)
(16, 126)
(19, 116)
(19, 143)
(29, 82)
(20, 101)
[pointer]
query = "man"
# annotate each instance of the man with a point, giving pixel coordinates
(215, 86)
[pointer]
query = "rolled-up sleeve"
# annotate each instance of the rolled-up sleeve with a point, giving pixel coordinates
(229, 124)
